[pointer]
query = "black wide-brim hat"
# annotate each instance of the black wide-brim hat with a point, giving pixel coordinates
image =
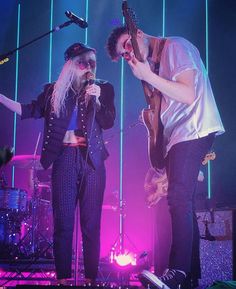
(77, 49)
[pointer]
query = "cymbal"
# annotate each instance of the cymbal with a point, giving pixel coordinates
(26, 162)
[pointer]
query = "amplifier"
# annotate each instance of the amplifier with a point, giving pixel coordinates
(217, 245)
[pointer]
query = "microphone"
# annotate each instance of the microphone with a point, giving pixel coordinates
(90, 79)
(77, 20)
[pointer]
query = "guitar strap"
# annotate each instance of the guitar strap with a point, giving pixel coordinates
(155, 64)
(156, 152)
(157, 52)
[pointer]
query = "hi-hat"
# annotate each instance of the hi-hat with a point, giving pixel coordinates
(26, 162)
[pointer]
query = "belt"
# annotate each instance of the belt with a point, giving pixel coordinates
(80, 142)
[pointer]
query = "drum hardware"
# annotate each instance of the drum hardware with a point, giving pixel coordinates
(36, 241)
(34, 235)
(13, 210)
(37, 238)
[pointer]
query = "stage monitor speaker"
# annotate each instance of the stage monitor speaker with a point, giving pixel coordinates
(217, 245)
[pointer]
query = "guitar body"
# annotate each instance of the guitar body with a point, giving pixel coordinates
(157, 187)
(151, 120)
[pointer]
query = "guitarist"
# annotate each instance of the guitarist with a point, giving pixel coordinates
(190, 120)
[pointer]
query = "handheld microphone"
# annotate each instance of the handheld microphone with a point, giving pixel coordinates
(90, 79)
(77, 20)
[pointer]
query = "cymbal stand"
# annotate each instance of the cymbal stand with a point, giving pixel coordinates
(34, 198)
(33, 231)
(34, 209)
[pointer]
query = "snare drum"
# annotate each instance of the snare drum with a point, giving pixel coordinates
(13, 200)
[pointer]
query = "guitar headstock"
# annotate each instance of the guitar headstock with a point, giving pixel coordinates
(130, 22)
(209, 157)
(130, 18)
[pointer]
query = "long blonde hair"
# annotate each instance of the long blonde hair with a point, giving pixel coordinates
(65, 82)
(62, 86)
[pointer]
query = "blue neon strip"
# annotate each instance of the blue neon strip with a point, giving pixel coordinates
(207, 36)
(121, 126)
(163, 18)
(209, 191)
(16, 88)
(121, 153)
(86, 18)
(121, 150)
(50, 43)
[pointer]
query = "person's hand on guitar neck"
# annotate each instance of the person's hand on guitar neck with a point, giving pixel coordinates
(141, 70)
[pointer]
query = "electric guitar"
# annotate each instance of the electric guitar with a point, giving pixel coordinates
(150, 115)
(157, 187)
(209, 157)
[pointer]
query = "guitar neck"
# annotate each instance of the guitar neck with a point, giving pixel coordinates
(135, 47)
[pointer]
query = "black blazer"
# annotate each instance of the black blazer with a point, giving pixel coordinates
(55, 128)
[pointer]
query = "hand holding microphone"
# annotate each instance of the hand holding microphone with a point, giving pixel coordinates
(92, 90)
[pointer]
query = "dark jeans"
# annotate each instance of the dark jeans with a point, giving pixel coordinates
(69, 170)
(183, 164)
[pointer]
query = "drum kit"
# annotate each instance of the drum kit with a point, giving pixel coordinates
(26, 221)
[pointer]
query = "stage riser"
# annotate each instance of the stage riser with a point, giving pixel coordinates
(218, 256)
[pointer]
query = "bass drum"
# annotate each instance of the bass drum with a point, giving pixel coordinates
(13, 200)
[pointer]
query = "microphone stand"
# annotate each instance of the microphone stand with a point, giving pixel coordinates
(35, 200)
(5, 57)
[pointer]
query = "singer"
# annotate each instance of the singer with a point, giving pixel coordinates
(76, 109)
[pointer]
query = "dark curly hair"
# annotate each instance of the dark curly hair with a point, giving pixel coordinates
(112, 41)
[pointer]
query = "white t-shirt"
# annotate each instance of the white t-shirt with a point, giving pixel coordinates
(184, 122)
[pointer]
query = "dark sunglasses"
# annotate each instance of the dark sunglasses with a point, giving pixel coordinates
(83, 64)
